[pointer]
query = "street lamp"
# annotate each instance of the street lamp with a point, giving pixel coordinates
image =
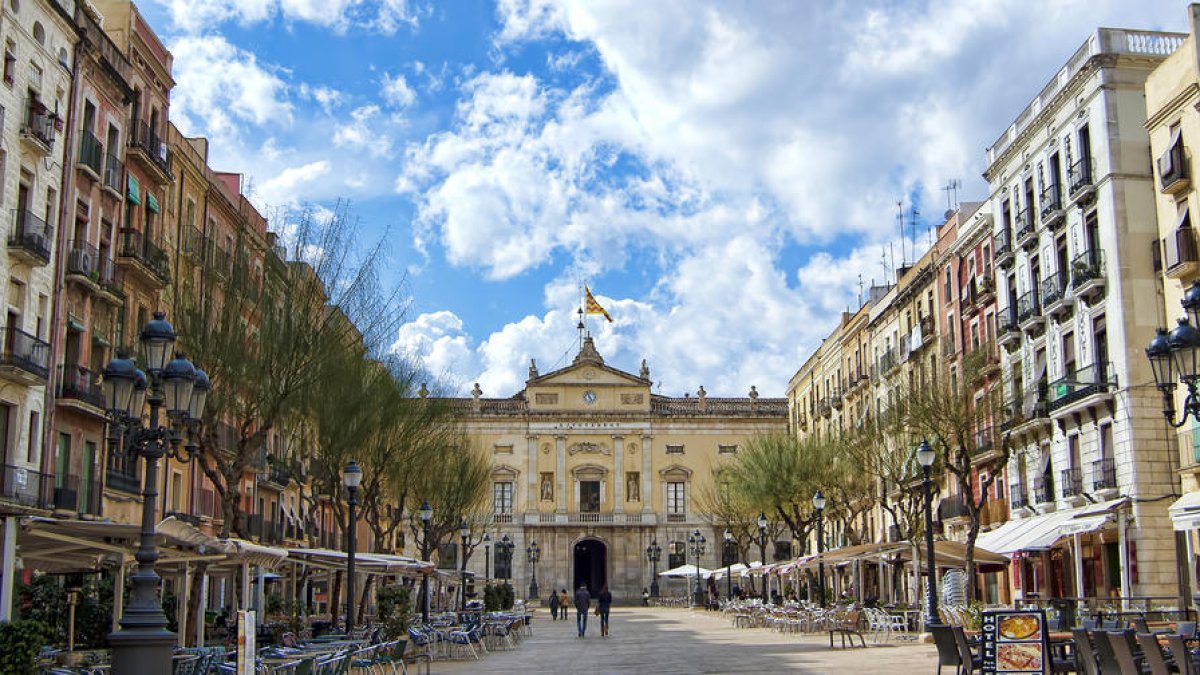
(926, 457)
(464, 533)
(1175, 357)
(653, 554)
(487, 558)
(426, 516)
(696, 543)
(762, 549)
(143, 644)
(728, 562)
(533, 554)
(819, 507)
(351, 478)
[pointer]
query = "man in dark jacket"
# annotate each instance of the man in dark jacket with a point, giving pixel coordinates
(554, 605)
(583, 600)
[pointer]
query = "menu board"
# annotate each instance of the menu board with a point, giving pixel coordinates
(1015, 641)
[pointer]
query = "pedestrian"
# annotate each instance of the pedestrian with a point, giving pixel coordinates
(603, 607)
(563, 604)
(583, 600)
(645, 597)
(553, 605)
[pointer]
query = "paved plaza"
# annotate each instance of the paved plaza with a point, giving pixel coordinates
(667, 640)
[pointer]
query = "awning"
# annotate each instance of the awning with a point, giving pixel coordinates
(367, 563)
(1042, 531)
(242, 552)
(64, 545)
(133, 193)
(684, 571)
(1185, 512)
(733, 570)
(151, 202)
(1081, 525)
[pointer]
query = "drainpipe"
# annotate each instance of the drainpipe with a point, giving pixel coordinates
(1123, 549)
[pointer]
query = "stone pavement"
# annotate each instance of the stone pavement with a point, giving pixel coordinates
(669, 640)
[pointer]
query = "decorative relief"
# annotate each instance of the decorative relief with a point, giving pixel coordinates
(589, 449)
(547, 487)
(631, 447)
(631, 399)
(545, 448)
(545, 398)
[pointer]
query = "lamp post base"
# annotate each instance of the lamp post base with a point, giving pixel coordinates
(142, 650)
(654, 588)
(533, 591)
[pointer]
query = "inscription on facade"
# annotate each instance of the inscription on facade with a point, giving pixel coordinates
(545, 398)
(631, 399)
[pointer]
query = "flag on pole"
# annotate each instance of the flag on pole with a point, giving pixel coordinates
(594, 307)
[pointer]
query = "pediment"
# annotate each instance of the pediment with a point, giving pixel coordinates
(587, 374)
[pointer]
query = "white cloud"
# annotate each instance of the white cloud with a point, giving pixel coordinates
(282, 189)
(326, 97)
(363, 132)
(219, 85)
(382, 16)
(395, 90)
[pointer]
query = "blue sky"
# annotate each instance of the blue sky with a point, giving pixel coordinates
(722, 174)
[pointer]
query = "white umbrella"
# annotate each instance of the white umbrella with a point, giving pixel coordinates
(733, 570)
(685, 571)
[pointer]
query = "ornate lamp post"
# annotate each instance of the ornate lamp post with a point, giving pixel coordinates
(1175, 357)
(762, 549)
(728, 562)
(653, 554)
(487, 558)
(464, 533)
(426, 516)
(143, 644)
(533, 554)
(351, 478)
(819, 507)
(696, 543)
(926, 457)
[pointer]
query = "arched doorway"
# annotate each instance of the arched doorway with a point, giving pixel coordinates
(591, 565)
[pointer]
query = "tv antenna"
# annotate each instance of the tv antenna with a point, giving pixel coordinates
(951, 189)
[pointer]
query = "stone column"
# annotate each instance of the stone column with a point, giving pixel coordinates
(560, 477)
(618, 481)
(532, 489)
(647, 495)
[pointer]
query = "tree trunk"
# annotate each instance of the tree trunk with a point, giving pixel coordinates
(193, 603)
(335, 599)
(360, 620)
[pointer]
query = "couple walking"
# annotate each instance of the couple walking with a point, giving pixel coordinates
(583, 602)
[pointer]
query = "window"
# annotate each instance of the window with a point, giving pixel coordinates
(176, 491)
(502, 492)
(62, 461)
(676, 498)
(674, 449)
(727, 449)
(10, 62)
(589, 496)
(448, 556)
(503, 449)
(35, 433)
(633, 486)
(676, 554)
(783, 550)
(504, 557)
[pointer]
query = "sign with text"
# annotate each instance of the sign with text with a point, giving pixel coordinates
(1015, 641)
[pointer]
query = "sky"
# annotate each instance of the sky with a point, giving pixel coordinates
(724, 175)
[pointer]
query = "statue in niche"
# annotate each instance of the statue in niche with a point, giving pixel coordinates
(633, 488)
(547, 490)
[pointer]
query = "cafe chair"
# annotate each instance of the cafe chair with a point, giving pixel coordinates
(1183, 657)
(1186, 628)
(1139, 624)
(1085, 653)
(970, 662)
(1122, 649)
(1152, 654)
(947, 648)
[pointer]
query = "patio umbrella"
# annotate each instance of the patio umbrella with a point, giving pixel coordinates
(685, 572)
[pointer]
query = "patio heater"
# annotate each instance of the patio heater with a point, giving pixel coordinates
(143, 644)
(464, 533)
(351, 478)
(653, 554)
(762, 549)
(426, 516)
(926, 457)
(819, 507)
(533, 554)
(728, 562)
(696, 543)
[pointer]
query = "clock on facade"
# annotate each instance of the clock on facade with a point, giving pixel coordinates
(589, 397)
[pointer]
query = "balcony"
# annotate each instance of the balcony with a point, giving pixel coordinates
(601, 518)
(80, 388)
(888, 361)
(1085, 388)
(1174, 176)
(26, 487)
(93, 271)
(209, 506)
(1004, 248)
(122, 481)
(143, 258)
(91, 155)
(1027, 411)
(1052, 206)
(1043, 490)
(1184, 260)
(1104, 475)
(823, 408)
(30, 238)
(1082, 188)
(952, 507)
(1054, 295)
(25, 359)
(1008, 329)
(1072, 482)
(1029, 313)
(983, 445)
(1087, 274)
(193, 243)
(1026, 233)
(39, 126)
(114, 173)
(1016, 496)
(146, 148)
(66, 493)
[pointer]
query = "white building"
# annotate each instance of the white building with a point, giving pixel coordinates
(1072, 193)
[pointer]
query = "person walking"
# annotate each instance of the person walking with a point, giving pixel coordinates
(645, 598)
(553, 605)
(563, 604)
(603, 607)
(583, 600)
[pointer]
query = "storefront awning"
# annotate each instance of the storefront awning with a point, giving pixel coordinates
(1043, 531)
(1185, 512)
(133, 193)
(367, 563)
